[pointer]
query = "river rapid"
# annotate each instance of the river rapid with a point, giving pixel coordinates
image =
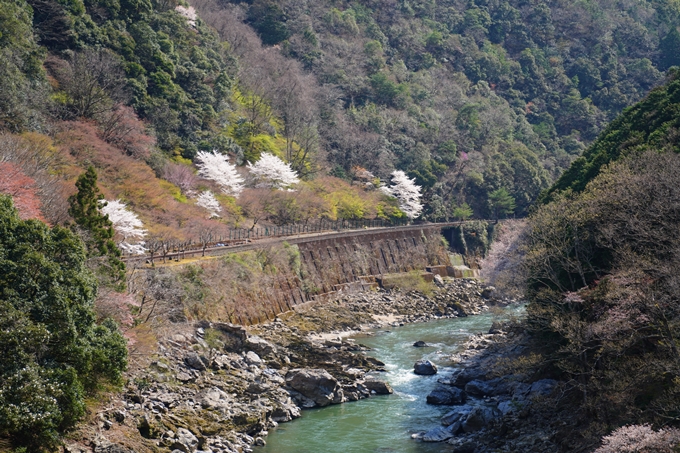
(384, 424)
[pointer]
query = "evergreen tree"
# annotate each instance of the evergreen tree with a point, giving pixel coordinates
(85, 210)
(670, 49)
(502, 203)
(52, 351)
(462, 212)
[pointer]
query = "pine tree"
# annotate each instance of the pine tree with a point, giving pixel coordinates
(85, 210)
(502, 203)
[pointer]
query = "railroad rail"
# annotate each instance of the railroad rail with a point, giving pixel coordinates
(240, 240)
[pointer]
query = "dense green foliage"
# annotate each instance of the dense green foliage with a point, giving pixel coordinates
(84, 208)
(469, 97)
(653, 123)
(52, 351)
(600, 260)
(602, 269)
(174, 73)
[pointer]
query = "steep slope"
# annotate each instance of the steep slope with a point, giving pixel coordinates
(469, 97)
(653, 123)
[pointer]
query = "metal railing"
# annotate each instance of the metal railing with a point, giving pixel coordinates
(173, 249)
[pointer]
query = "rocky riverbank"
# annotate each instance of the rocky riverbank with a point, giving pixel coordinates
(216, 387)
(494, 406)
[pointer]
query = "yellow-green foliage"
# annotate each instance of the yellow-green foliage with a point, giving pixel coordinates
(174, 190)
(410, 281)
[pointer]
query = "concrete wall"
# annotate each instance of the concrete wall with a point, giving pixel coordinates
(256, 285)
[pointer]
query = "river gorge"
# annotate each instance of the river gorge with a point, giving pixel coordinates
(385, 423)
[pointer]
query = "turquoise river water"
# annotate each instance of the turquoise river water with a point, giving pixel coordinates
(383, 424)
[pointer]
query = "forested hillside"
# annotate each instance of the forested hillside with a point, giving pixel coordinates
(468, 97)
(598, 262)
(484, 104)
(653, 124)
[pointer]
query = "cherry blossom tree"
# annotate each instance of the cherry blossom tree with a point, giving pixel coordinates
(126, 224)
(272, 172)
(407, 192)
(216, 167)
(180, 175)
(188, 13)
(208, 201)
(640, 439)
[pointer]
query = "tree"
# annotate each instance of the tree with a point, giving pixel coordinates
(52, 352)
(22, 189)
(462, 212)
(502, 203)
(641, 439)
(272, 172)
(180, 175)
(216, 167)
(84, 208)
(407, 192)
(669, 49)
(126, 223)
(94, 82)
(208, 201)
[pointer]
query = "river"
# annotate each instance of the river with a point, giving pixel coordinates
(383, 424)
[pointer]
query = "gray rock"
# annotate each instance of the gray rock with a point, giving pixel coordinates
(194, 361)
(446, 396)
(483, 388)
(479, 418)
(438, 280)
(316, 385)
(221, 362)
(543, 387)
(258, 387)
(378, 386)
(496, 328)
(420, 344)
(185, 441)
(507, 407)
(216, 399)
(455, 415)
(468, 374)
(487, 293)
(439, 434)
(184, 377)
(425, 367)
(259, 345)
(108, 447)
(467, 447)
(252, 358)
(286, 412)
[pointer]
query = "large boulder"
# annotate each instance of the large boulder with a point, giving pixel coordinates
(316, 385)
(468, 374)
(425, 368)
(378, 386)
(194, 361)
(446, 396)
(439, 434)
(543, 387)
(479, 418)
(491, 387)
(252, 358)
(259, 345)
(185, 441)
